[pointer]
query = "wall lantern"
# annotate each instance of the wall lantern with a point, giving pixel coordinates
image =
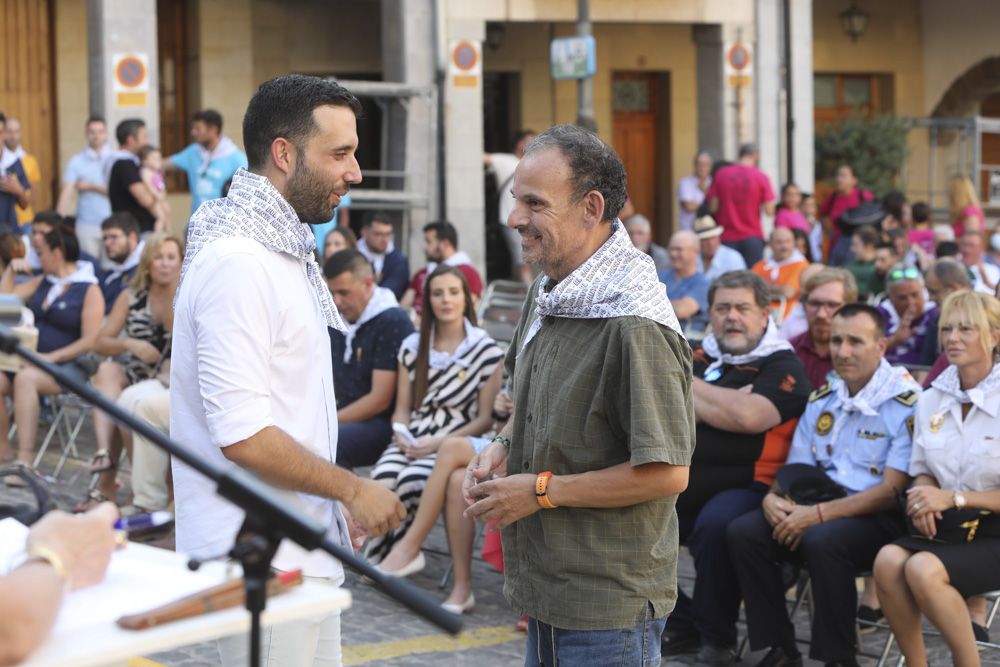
(854, 20)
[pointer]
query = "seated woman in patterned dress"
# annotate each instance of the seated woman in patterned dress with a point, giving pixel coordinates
(135, 337)
(67, 305)
(449, 375)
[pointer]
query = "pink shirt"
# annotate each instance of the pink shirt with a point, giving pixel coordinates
(970, 211)
(792, 220)
(741, 191)
(835, 205)
(923, 238)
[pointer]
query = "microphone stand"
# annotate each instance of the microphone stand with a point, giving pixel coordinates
(269, 518)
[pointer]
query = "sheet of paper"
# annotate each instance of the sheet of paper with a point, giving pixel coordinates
(134, 583)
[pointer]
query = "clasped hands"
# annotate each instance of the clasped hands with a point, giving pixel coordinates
(789, 520)
(491, 494)
(924, 505)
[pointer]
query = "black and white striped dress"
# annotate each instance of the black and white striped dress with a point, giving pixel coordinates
(452, 401)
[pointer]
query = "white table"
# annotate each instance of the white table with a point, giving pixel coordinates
(78, 642)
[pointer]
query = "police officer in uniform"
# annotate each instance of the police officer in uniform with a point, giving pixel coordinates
(857, 430)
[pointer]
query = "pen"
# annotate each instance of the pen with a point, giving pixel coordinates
(143, 521)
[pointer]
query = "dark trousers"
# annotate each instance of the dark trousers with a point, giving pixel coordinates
(833, 553)
(361, 443)
(752, 249)
(712, 610)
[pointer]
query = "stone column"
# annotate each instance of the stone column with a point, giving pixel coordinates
(770, 101)
(118, 28)
(803, 133)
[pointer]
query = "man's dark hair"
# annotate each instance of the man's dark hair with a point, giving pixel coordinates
(377, 216)
(868, 235)
(95, 119)
(49, 217)
(209, 117)
(283, 107)
(344, 260)
(920, 212)
(593, 164)
(445, 231)
(520, 136)
(742, 280)
(122, 220)
(856, 308)
(746, 150)
(3, 118)
(893, 203)
(951, 273)
(128, 128)
(64, 240)
(946, 249)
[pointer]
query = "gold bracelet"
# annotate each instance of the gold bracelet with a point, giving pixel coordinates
(52, 558)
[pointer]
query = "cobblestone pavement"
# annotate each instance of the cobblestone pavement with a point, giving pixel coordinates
(377, 631)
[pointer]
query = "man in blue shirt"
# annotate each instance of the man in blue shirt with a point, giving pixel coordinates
(15, 190)
(391, 267)
(687, 287)
(84, 179)
(120, 235)
(364, 359)
(210, 161)
(854, 442)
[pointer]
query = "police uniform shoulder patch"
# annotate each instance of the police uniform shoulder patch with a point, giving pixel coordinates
(907, 398)
(824, 424)
(825, 390)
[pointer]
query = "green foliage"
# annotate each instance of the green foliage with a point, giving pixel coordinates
(876, 148)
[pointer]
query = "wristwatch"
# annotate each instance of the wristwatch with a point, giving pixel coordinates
(960, 500)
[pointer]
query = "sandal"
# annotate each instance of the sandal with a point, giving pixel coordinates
(100, 454)
(522, 624)
(94, 498)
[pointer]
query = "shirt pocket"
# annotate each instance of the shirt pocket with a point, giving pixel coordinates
(870, 449)
(981, 465)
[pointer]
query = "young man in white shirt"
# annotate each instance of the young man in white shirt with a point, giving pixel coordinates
(250, 380)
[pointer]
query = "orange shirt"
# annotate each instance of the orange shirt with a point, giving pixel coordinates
(786, 276)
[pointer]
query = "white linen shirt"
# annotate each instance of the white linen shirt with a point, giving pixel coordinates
(250, 350)
(959, 455)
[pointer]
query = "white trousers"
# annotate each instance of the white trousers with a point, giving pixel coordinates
(149, 400)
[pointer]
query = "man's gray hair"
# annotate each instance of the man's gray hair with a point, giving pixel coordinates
(747, 150)
(951, 273)
(638, 219)
(742, 280)
(593, 164)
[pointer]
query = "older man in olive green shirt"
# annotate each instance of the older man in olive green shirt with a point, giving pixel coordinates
(587, 470)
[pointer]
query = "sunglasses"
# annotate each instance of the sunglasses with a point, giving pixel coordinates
(907, 273)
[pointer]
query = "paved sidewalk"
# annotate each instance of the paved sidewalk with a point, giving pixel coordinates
(377, 631)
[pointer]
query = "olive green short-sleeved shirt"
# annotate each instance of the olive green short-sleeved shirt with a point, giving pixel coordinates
(590, 394)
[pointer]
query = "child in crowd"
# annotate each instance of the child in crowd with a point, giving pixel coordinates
(809, 212)
(790, 213)
(151, 170)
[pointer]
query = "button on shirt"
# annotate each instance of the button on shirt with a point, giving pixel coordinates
(962, 455)
(88, 166)
(245, 359)
(865, 445)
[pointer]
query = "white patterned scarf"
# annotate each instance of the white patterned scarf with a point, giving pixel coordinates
(618, 280)
(769, 343)
(132, 261)
(255, 210)
(382, 300)
(949, 383)
(888, 381)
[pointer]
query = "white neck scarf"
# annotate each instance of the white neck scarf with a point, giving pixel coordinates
(888, 381)
(769, 343)
(132, 261)
(84, 273)
(120, 154)
(773, 266)
(618, 280)
(222, 149)
(439, 360)
(8, 157)
(376, 259)
(254, 209)
(382, 300)
(457, 259)
(949, 383)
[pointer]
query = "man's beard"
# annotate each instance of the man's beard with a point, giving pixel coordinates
(309, 195)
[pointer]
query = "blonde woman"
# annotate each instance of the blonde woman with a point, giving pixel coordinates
(956, 469)
(135, 336)
(965, 211)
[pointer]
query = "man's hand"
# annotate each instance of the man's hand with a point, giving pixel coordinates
(790, 530)
(84, 542)
(776, 508)
(508, 499)
(11, 185)
(20, 265)
(491, 461)
(375, 507)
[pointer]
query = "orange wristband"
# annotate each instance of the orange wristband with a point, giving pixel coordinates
(541, 490)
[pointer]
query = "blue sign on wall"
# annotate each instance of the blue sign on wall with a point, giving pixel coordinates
(573, 57)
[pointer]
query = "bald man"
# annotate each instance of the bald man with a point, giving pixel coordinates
(782, 271)
(687, 287)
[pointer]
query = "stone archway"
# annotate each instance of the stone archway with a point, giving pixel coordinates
(965, 93)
